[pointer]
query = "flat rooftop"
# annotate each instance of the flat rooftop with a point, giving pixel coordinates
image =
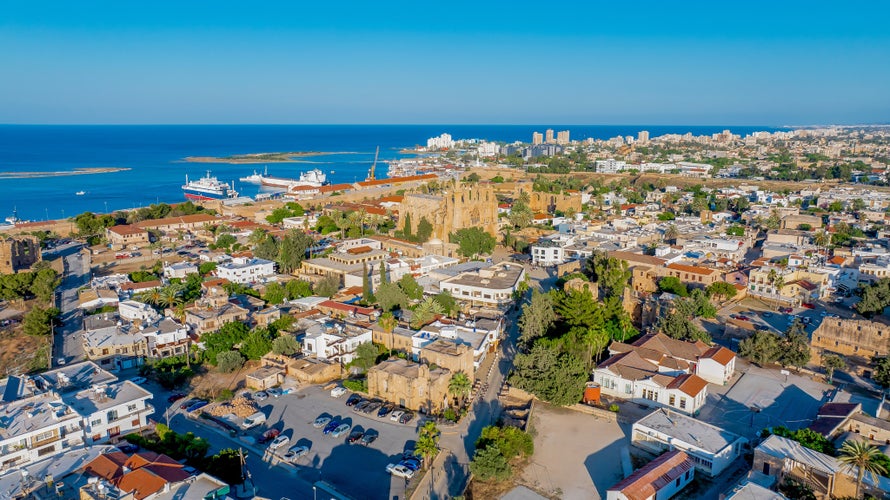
(34, 413)
(498, 277)
(89, 401)
(688, 430)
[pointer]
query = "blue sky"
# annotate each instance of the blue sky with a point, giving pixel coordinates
(733, 63)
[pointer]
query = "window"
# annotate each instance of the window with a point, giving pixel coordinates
(96, 421)
(131, 408)
(111, 416)
(43, 436)
(677, 484)
(687, 475)
(682, 403)
(766, 468)
(114, 431)
(672, 400)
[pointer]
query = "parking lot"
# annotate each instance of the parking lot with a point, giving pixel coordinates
(353, 469)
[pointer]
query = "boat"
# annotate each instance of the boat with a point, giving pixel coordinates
(80, 193)
(312, 178)
(208, 188)
(255, 178)
(14, 219)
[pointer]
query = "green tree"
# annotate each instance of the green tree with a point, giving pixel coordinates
(424, 230)
(447, 302)
(257, 343)
(832, 362)
(411, 288)
(390, 296)
(365, 356)
(267, 249)
(229, 361)
(285, 345)
(274, 293)
(490, 464)
(206, 268)
(425, 312)
(557, 378)
(672, 284)
(861, 458)
(367, 293)
(735, 230)
(795, 347)
(666, 216)
(538, 315)
(39, 320)
(328, 286)
(473, 241)
(460, 386)
(297, 289)
(577, 308)
(679, 326)
(511, 441)
(225, 241)
(762, 348)
(671, 234)
(427, 445)
(881, 373)
(227, 466)
(292, 250)
(223, 340)
(610, 274)
(521, 214)
(722, 290)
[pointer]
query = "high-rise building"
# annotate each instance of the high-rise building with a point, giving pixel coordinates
(562, 137)
(643, 136)
(537, 138)
(548, 136)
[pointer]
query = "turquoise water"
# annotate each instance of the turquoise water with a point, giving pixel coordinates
(154, 156)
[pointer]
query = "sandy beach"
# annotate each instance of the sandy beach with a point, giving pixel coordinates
(292, 157)
(62, 173)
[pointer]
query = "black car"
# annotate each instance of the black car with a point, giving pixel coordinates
(371, 408)
(353, 400)
(355, 436)
(175, 397)
(385, 410)
(404, 419)
(190, 402)
(369, 438)
(362, 405)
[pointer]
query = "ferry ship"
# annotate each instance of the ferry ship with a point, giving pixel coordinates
(208, 188)
(313, 178)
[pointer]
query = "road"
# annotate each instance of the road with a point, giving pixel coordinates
(66, 341)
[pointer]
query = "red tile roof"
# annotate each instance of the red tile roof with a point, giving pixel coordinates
(648, 480)
(145, 285)
(126, 229)
(690, 384)
(720, 354)
(692, 269)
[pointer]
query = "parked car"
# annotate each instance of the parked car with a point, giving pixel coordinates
(766, 314)
(321, 422)
(189, 402)
(412, 463)
(269, 435)
(369, 438)
(355, 436)
(338, 391)
(400, 471)
(361, 405)
(786, 310)
(274, 392)
(808, 305)
(353, 400)
(138, 380)
(331, 426)
(175, 397)
(371, 408)
(279, 442)
(396, 415)
(385, 409)
(260, 396)
(340, 430)
(254, 420)
(128, 448)
(197, 406)
(296, 453)
(406, 417)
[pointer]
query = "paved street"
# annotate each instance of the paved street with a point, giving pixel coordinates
(66, 342)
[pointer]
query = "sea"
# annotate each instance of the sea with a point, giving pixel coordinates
(154, 155)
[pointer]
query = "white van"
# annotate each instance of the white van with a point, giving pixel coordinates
(254, 420)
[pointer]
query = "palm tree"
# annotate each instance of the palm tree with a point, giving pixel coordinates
(388, 322)
(427, 442)
(170, 295)
(861, 457)
(671, 233)
(778, 284)
(460, 386)
(152, 296)
(425, 312)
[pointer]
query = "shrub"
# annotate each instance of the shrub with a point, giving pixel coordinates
(450, 415)
(356, 384)
(614, 408)
(229, 361)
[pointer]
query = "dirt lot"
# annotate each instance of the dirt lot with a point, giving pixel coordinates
(576, 455)
(20, 353)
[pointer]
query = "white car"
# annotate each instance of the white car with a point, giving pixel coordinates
(321, 422)
(274, 392)
(260, 396)
(295, 453)
(400, 471)
(278, 442)
(138, 380)
(341, 430)
(396, 415)
(338, 391)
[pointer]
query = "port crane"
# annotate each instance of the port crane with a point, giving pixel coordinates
(373, 166)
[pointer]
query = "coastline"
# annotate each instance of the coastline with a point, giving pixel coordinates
(252, 158)
(62, 173)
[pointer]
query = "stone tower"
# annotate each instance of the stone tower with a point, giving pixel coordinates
(462, 206)
(18, 254)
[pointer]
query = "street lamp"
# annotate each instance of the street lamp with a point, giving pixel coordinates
(313, 493)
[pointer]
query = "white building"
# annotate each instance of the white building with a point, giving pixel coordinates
(487, 149)
(551, 251)
(660, 479)
(137, 312)
(711, 448)
(37, 427)
(610, 166)
(479, 334)
(243, 270)
(111, 410)
(166, 338)
(335, 340)
(489, 287)
(180, 269)
(444, 141)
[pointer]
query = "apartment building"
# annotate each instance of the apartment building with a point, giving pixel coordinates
(111, 410)
(490, 287)
(37, 427)
(335, 341)
(124, 236)
(243, 270)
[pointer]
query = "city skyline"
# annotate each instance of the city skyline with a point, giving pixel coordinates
(514, 63)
